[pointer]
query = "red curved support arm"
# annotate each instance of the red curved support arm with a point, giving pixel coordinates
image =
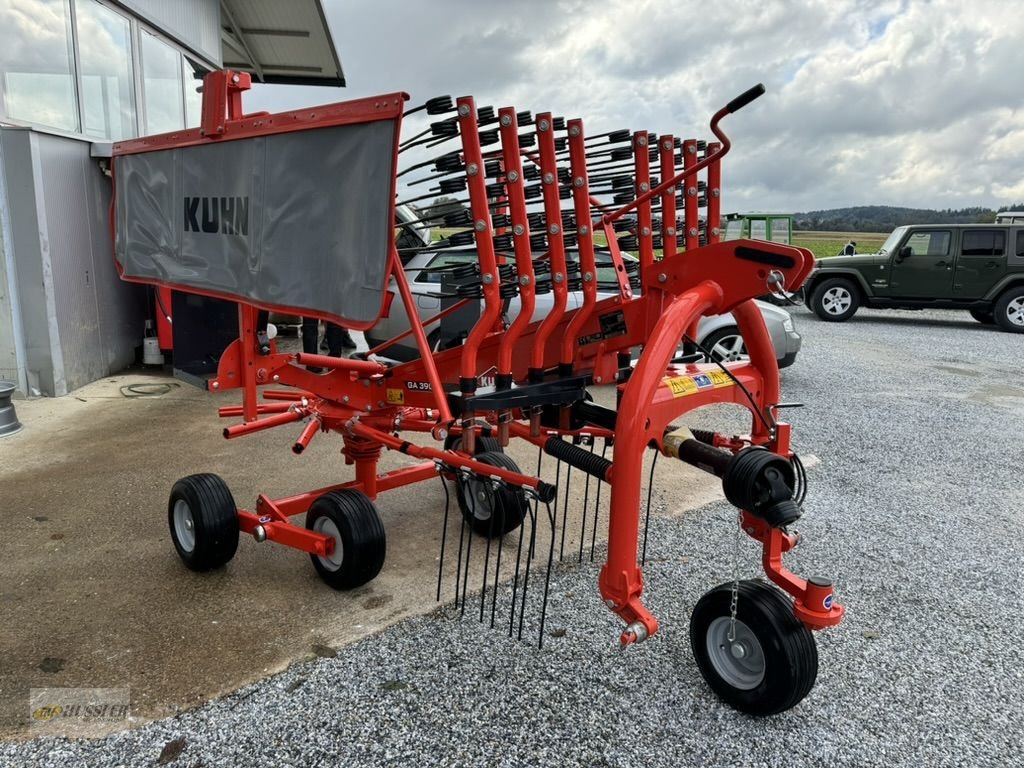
(621, 580)
(762, 356)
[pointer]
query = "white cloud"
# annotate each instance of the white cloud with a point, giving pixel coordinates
(901, 102)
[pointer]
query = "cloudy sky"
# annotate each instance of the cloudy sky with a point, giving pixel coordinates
(894, 102)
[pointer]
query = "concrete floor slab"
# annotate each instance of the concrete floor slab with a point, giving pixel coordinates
(93, 594)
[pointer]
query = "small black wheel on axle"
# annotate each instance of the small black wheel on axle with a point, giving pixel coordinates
(354, 523)
(481, 444)
(203, 520)
(766, 663)
(491, 511)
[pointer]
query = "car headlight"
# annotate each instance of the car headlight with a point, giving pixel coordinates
(787, 325)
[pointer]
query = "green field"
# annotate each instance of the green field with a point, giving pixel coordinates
(825, 244)
(821, 244)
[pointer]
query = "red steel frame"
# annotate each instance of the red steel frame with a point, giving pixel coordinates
(369, 403)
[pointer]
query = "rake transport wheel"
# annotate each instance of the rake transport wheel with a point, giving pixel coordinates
(771, 663)
(354, 523)
(489, 511)
(203, 520)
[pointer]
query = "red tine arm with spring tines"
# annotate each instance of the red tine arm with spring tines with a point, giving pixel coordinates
(690, 194)
(484, 242)
(642, 170)
(714, 222)
(584, 237)
(556, 242)
(667, 158)
(513, 166)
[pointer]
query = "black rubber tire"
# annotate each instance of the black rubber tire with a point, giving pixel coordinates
(1009, 309)
(482, 444)
(817, 303)
(715, 337)
(359, 535)
(507, 505)
(985, 318)
(788, 647)
(205, 502)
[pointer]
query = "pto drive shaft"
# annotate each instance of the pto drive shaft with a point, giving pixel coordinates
(754, 479)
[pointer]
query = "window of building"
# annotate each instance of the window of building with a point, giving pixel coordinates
(105, 61)
(89, 67)
(193, 74)
(161, 86)
(36, 63)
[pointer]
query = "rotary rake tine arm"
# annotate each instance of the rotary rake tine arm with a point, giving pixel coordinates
(556, 242)
(585, 235)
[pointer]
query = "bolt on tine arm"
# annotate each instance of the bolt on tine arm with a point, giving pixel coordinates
(489, 277)
(556, 243)
(521, 243)
(710, 156)
(585, 243)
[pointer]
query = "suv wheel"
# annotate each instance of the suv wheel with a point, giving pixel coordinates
(835, 300)
(1009, 310)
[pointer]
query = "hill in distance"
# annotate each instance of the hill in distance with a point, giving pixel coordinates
(885, 218)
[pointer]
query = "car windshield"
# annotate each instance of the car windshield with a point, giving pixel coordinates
(891, 240)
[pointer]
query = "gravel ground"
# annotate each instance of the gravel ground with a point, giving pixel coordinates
(915, 510)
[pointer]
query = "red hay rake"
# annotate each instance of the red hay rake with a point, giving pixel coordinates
(294, 212)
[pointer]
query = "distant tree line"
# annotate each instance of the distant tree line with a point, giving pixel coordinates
(865, 218)
(885, 218)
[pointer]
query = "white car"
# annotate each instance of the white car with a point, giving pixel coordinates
(718, 333)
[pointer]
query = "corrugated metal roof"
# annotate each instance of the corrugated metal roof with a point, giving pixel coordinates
(280, 42)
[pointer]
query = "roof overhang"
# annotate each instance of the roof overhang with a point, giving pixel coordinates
(280, 42)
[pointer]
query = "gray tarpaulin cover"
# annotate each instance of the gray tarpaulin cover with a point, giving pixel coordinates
(299, 220)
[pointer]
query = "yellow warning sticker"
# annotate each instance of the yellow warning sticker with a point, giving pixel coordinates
(681, 386)
(396, 397)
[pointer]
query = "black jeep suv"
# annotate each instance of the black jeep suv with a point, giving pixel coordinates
(977, 267)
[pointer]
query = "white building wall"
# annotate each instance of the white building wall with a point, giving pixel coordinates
(73, 320)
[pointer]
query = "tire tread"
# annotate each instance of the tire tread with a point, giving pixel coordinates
(795, 641)
(215, 517)
(363, 537)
